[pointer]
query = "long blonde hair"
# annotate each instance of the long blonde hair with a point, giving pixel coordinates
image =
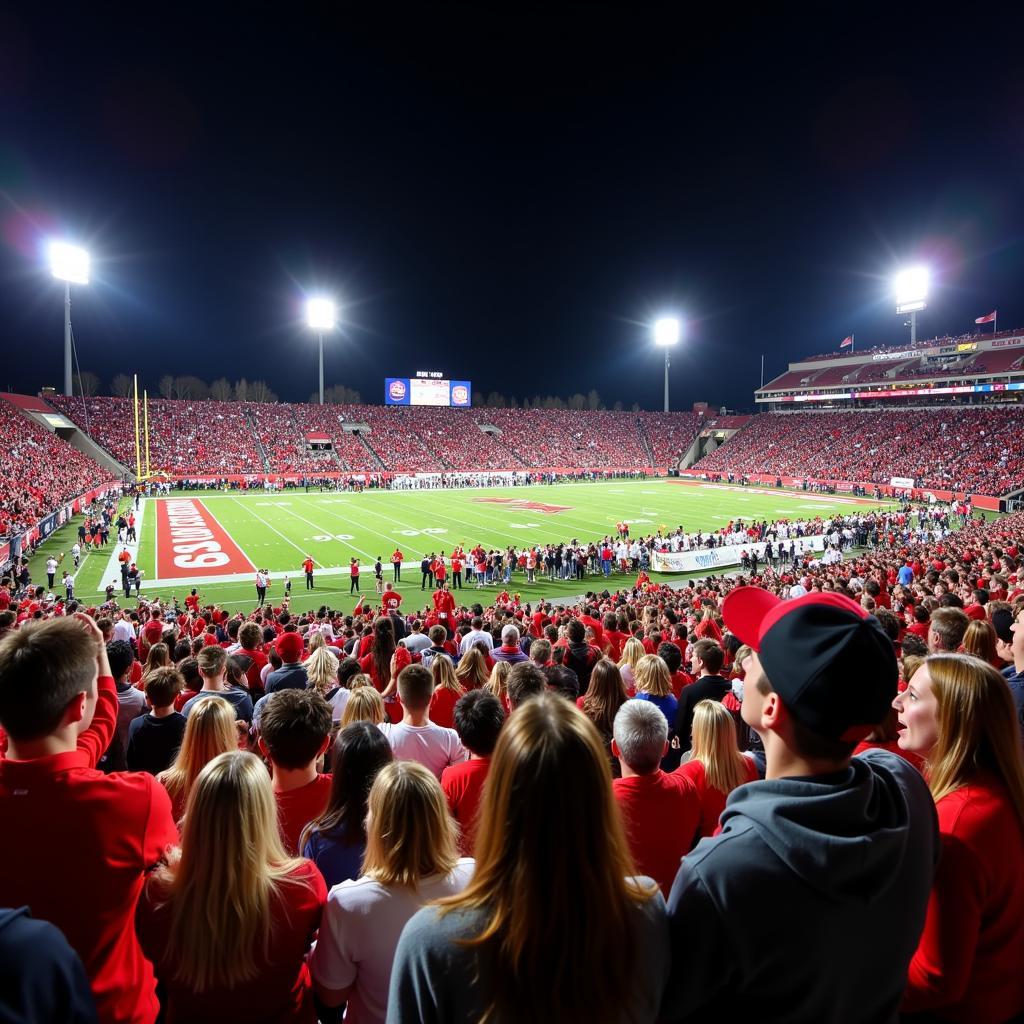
(651, 676)
(980, 640)
(230, 866)
(159, 657)
(410, 833)
(543, 931)
(498, 683)
(632, 652)
(364, 705)
(472, 669)
(443, 672)
(322, 669)
(714, 744)
(978, 728)
(209, 731)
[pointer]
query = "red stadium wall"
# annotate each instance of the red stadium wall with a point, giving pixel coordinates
(983, 501)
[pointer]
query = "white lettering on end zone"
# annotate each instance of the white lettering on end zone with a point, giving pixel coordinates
(192, 541)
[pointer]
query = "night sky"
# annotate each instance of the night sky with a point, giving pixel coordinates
(506, 198)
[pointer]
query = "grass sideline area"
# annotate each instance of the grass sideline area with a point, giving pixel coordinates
(277, 530)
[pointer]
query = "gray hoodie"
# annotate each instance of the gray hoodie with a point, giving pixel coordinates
(810, 903)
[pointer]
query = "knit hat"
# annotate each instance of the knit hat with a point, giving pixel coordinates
(289, 646)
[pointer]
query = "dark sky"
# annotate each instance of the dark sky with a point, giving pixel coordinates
(506, 197)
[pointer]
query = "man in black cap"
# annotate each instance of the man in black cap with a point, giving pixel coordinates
(809, 903)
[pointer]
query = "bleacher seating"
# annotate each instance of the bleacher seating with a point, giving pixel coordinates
(38, 471)
(980, 450)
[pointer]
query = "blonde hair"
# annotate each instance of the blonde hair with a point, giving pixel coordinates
(632, 652)
(322, 669)
(543, 931)
(498, 683)
(443, 673)
(713, 738)
(978, 728)
(909, 665)
(472, 670)
(314, 641)
(220, 885)
(652, 677)
(209, 731)
(359, 680)
(980, 640)
(410, 833)
(159, 657)
(364, 705)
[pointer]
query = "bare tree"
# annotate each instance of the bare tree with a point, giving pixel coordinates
(594, 400)
(221, 390)
(190, 388)
(121, 385)
(242, 390)
(495, 400)
(166, 386)
(86, 384)
(617, 407)
(577, 401)
(259, 391)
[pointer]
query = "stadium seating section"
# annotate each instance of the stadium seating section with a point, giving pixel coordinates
(38, 471)
(980, 450)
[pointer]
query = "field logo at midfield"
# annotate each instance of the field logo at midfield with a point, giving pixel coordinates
(190, 542)
(530, 506)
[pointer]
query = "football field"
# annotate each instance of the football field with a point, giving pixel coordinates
(216, 540)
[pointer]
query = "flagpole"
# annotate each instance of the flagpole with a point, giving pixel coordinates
(853, 342)
(762, 369)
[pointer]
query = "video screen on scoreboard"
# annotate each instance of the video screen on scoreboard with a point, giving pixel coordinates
(427, 391)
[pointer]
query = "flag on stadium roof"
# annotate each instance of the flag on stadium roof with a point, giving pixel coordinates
(987, 319)
(847, 342)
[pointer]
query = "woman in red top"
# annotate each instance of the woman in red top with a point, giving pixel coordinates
(959, 714)
(229, 919)
(447, 691)
(716, 766)
(386, 659)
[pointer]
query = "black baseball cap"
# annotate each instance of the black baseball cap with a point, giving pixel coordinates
(1002, 620)
(825, 656)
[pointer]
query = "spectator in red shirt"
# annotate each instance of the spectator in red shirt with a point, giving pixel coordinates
(295, 727)
(478, 720)
(716, 767)
(229, 919)
(447, 691)
(958, 713)
(661, 812)
(117, 826)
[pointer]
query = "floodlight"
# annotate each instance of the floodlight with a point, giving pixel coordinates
(666, 331)
(320, 314)
(910, 287)
(69, 263)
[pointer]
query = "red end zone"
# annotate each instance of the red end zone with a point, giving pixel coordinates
(190, 542)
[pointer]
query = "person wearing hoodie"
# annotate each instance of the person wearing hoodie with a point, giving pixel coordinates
(809, 903)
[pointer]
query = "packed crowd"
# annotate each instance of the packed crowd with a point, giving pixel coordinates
(38, 472)
(978, 450)
(278, 814)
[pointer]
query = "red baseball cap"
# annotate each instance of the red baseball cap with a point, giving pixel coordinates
(826, 657)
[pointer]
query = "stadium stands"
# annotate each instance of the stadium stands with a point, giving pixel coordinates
(980, 450)
(38, 471)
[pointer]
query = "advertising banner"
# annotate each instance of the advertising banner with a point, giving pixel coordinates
(710, 559)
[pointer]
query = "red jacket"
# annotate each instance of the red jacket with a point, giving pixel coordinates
(968, 962)
(77, 846)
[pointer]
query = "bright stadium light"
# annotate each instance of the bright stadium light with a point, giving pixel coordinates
(321, 315)
(910, 288)
(666, 334)
(70, 264)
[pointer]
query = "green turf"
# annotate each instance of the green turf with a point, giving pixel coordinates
(276, 531)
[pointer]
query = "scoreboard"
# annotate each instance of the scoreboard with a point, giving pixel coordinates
(427, 390)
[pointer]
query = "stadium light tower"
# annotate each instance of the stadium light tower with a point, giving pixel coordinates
(910, 287)
(70, 264)
(666, 334)
(320, 316)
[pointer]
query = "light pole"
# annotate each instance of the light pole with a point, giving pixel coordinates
(910, 288)
(320, 316)
(70, 264)
(666, 334)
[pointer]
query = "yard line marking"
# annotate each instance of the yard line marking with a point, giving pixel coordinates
(256, 515)
(318, 526)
